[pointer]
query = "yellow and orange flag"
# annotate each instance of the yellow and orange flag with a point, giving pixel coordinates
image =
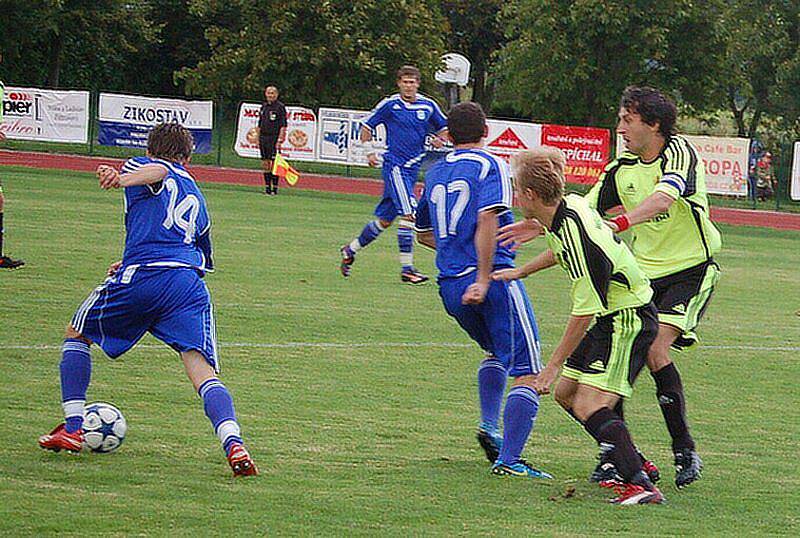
(282, 168)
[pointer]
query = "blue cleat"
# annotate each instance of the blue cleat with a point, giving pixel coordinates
(521, 468)
(491, 443)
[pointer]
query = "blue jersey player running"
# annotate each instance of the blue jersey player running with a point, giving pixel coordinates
(468, 194)
(408, 118)
(156, 288)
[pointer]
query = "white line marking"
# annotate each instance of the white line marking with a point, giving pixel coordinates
(366, 345)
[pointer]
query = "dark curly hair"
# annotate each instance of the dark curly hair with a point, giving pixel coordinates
(653, 106)
(170, 141)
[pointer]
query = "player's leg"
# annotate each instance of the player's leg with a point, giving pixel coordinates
(682, 300)
(112, 316)
(402, 192)
(516, 342)
(594, 407)
(5, 261)
(266, 165)
(187, 324)
(491, 372)
(218, 406)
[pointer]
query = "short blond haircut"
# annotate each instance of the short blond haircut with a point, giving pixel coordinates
(542, 171)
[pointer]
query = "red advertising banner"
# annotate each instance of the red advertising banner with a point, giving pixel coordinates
(587, 150)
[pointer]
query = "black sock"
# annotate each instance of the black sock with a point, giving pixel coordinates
(618, 408)
(267, 180)
(274, 183)
(605, 425)
(669, 391)
(1, 233)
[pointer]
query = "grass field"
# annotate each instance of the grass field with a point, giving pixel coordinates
(358, 397)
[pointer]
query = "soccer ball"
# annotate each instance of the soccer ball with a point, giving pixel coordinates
(104, 427)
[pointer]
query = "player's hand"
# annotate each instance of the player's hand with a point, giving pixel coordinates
(544, 380)
(372, 159)
(514, 235)
(113, 268)
(506, 275)
(437, 142)
(612, 225)
(108, 177)
(475, 293)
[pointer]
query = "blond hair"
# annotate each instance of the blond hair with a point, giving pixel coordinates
(542, 171)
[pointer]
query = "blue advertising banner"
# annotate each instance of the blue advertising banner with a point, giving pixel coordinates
(126, 120)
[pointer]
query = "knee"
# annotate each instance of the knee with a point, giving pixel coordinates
(563, 398)
(385, 223)
(73, 334)
(658, 358)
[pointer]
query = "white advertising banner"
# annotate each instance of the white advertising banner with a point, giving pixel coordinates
(795, 189)
(725, 159)
(507, 138)
(338, 137)
(126, 120)
(45, 115)
(301, 133)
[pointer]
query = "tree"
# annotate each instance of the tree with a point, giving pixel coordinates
(476, 32)
(334, 52)
(75, 43)
(761, 62)
(569, 61)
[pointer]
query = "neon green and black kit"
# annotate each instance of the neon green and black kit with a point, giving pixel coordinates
(606, 283)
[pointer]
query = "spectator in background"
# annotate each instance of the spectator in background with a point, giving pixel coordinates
(765, 187)
(271, 134)
(5, 261)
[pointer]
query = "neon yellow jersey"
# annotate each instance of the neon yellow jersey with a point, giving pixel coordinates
(604, 274)
(684, 235)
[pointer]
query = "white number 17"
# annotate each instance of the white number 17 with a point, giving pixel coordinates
(439, 199)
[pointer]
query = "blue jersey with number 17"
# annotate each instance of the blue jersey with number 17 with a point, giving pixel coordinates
(457, 188)
(166, 223)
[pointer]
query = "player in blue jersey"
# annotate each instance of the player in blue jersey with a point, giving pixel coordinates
(468, 195)
(156, 288)
(409, 118)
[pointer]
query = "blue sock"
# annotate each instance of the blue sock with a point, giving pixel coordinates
(76, 371)
(491, 387)
(369, 234)
(522, 405)
(405, 242)
(218, 404)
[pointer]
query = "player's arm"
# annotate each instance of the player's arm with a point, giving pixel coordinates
(515, 234)
(574, 332)
(147, 174)
(426, 239)
(544, 260)
(485, 246)
(423, 225)
(283, 124)
(656, 203)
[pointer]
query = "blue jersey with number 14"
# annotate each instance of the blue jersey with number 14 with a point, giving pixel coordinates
(457, 189)
(166, 223)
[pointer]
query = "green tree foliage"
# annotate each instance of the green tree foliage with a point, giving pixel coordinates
(333, 52)
(75, 43)
(762, 63)
(476, 32)
(568, 61)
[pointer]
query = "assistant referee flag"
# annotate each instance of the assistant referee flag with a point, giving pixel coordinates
(282, 168)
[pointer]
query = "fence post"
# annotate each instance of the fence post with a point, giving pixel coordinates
(218, 128)
(94, 106)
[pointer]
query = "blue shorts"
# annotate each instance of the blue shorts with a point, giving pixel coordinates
(503, 325)
(398, 191)
(171, 304)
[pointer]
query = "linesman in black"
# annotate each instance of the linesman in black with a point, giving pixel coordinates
(272, 133)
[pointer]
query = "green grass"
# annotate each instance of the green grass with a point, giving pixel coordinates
(368, 439)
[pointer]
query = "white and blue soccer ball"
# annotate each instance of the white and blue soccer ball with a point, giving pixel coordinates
(104, 427)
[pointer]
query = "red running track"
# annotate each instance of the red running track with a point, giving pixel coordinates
(81, 163)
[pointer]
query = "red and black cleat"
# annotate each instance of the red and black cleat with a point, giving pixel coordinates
(241, 462)
(630, 494)
(59, 439)
(10, 263)
(412, 276)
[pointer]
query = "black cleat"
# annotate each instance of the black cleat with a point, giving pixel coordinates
(412, 276)
(348, 259)
(605, 473)
(490, 444)
(9, 263)
(688, 467)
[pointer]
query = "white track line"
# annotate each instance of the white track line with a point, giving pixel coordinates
(362, 345)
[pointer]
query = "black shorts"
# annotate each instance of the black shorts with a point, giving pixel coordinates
(682, 299)
(267, 146)
(614, 351)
